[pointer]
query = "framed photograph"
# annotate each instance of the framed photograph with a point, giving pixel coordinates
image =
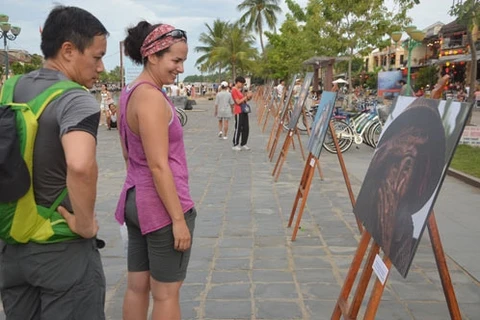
(406, 173)
(320, 124)
(298, 106)
(287, 97)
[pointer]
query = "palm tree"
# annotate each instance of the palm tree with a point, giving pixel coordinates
(211, 40)
(236, 50)
(257, 13)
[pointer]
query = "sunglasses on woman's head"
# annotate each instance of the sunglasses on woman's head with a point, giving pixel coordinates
(176, 34)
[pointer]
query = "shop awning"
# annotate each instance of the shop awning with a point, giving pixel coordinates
(465, 57)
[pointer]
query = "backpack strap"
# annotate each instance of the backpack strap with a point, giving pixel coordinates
(38, 104)
(8, 88)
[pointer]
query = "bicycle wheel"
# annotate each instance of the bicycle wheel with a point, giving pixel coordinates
(344, 135)
(374, 134)
(306, 122)
(182, 116)
(286, 119)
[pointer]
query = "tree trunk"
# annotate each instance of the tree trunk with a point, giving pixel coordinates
(260, 31)
(350, 79)
(473, 73)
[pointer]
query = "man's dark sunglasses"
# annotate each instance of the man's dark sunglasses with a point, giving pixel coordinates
(176, 34)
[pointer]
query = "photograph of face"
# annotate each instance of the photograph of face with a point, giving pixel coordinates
(297, 108)
(320, 124)
(406, 172)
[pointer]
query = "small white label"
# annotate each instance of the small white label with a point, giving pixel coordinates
(312, 162)
(291, 133)
(380, 269)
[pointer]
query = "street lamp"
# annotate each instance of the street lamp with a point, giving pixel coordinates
(7, 32)
(415, 38)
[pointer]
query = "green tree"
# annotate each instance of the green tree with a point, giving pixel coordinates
(103, 77)
(36, 61)
(17, 68)
(210, 40)
(357, 26)
(468, 15)
(236, 50)
(301, 36)
(427, 76)
(257, 13)
(115, 75)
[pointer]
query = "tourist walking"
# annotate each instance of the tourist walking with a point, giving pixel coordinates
(223, 109)
(155, 201)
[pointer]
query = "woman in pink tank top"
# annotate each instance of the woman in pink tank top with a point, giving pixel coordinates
(155, 201)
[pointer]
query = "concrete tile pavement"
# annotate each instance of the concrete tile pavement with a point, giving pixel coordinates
(243, 264)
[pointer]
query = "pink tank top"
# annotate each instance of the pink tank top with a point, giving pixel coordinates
(152, 214)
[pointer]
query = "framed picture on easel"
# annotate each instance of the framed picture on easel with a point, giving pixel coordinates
(406, 173)
(298, 107)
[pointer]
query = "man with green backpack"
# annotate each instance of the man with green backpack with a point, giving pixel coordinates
(50, 263)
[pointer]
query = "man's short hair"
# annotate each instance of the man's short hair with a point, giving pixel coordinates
(69, 24)
(402, 82)
(240, 79)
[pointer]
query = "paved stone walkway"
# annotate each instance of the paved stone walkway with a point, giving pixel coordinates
(243, 264)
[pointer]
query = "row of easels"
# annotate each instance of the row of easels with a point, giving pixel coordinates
(344, 308)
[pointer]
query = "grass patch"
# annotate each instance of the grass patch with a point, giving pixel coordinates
(467, 159)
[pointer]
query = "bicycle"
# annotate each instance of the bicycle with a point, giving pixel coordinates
(357, 128)
(306, 118)
(182, 116)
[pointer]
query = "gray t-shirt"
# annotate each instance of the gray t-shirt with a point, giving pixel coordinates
(75, 110)
(224, 101)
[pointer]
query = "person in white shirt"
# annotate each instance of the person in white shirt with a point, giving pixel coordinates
(174, 89)
(280, 89)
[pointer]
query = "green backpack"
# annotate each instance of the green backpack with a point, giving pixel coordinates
(21, 219)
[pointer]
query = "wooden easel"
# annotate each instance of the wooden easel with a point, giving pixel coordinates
(350, 311)
(272, 109)
(263, 104)
(266, 109)
(306, 182)
(275, 128)
(283, 153)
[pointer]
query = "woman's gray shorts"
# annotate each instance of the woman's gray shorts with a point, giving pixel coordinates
(154, 251)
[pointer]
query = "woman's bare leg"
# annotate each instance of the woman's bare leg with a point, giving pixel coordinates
(137, 296)
(166, 300)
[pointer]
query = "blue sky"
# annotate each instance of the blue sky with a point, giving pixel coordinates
(190, 15)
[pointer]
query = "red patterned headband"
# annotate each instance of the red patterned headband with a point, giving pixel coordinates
(161, 38)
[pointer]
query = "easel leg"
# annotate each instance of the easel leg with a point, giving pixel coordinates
(301, 187)
(352, 274)
(275, 141)
(320, 170)
(344, 171)
(305, 192)
(376, 296)
(363, 282)
(282, 156)
(443, 268)
(266, 121)
(300, 144)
